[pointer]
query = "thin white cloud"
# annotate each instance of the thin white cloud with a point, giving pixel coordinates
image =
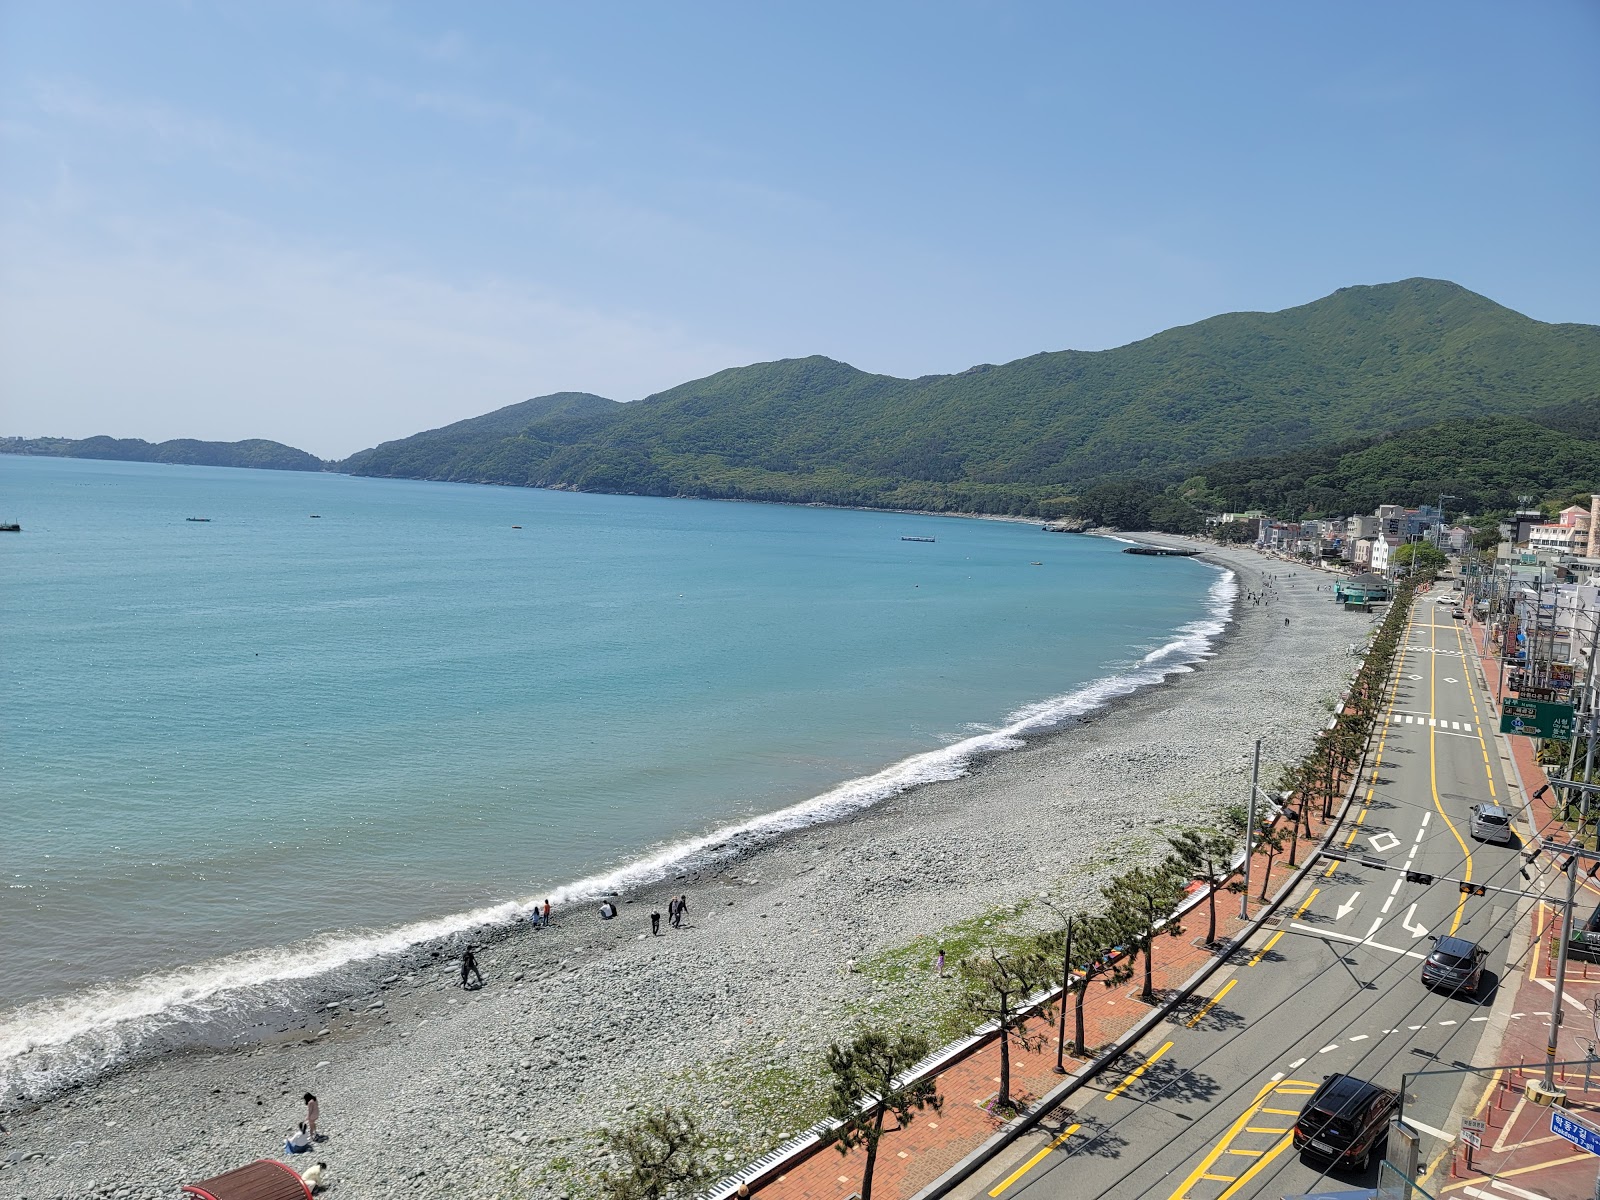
(162, 131)
(217, 336)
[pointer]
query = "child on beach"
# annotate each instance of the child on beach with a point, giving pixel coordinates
(469, 965)
(312, 1113)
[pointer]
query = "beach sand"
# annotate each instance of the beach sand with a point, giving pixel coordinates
(427, 1089)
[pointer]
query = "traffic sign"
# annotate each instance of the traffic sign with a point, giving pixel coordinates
(1472, 1138)
(1582, 1134)
(1473, 1126)
(1537, 718)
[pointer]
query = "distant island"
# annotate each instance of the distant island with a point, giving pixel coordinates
(1396, 392)
(253, 452)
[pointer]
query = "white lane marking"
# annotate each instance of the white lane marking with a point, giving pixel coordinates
(1426, 817)
(1478, 1193)
(1477, 1018)
(1374, 928)
(1345, 937)
(1386, 905)
(1397, 884)
(1295, 1065)
(1360, 1037)
(1551, 988)
(1325, 1049)
(1447, 733)
(1502, 1185)
(1345, 909)
(1277, 1077)
(1428, 1129)
(1413, 1028)
(1420, 832)
(1446, 1022)
(1415, 931)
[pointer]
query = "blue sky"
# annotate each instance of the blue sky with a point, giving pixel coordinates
(332, 224)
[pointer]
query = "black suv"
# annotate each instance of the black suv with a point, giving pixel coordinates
(1345, 1121)
(1456, 965)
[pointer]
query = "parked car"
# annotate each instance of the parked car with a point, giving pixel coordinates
(1491, 823)
(1345, 1121)
(1456, 965)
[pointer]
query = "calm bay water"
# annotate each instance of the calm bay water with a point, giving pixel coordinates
(283, 738)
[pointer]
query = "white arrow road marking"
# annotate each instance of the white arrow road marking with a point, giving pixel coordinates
(1345, 937)
(1415, 931)
(1382, 841)
(1344, 909)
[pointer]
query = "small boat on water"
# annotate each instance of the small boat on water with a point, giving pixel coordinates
(316, 516)
(1036, 563)
(516, 527)
(10, 527)
(197, 518)
(918, 539)
(1161, 552)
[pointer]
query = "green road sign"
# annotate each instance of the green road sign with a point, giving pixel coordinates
(1537, 718)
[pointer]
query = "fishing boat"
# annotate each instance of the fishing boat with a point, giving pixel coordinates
(197, 518)
(918, 539)
(10, 527)
(1161, 551)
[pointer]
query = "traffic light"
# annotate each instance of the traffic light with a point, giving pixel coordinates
(1418, 877)
(1474, 889)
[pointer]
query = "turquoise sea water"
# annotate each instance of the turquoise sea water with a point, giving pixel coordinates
(252, 747)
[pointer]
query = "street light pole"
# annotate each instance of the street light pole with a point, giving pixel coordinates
(1250, 834)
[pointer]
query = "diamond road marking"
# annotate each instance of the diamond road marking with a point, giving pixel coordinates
(1382, 841)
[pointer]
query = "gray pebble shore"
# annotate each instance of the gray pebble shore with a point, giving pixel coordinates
(427, 1089)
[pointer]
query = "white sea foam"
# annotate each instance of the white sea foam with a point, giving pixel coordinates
(64, 1039)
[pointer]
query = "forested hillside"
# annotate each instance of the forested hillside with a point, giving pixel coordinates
(1485, 464)
(1027, 436)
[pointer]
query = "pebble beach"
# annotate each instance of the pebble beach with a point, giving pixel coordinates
(427, 1089)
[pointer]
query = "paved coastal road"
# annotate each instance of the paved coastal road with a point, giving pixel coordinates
(1202, 1108)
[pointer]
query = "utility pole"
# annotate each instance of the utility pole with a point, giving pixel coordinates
(1250, 834)
(1561, 974)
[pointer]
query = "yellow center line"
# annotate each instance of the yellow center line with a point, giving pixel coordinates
(1538, 941)
(1433, 769)
(1136, 1072)
(1211, 1003)
(1261, 953)
(1210, 1160)
(1035, 1160)
(1301, 911)
(1256, 1169)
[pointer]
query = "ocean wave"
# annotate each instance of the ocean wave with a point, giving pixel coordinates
(62, 1040)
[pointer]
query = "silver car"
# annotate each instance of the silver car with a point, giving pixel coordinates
(1491, 823)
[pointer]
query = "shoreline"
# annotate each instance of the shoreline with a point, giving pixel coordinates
(586, 1018)
(265, 992)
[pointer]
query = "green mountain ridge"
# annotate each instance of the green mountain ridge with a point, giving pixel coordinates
(1385, 392)
(1023, 436)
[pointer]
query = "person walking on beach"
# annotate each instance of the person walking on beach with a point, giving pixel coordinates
(312, 1113)
(672, 912)
(469, 966)
(938, 963)
(547, 910)
(655, 924)
(683, 907)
